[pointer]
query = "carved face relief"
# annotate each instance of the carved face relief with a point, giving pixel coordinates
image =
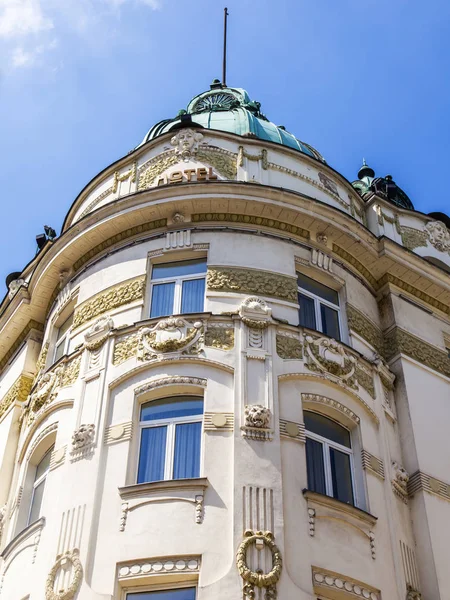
(186, 142)
(257, 415)
(438, 235)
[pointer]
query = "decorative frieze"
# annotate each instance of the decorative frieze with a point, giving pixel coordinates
(220, 336)
(259, 540)
(112, 298)
(325, 582)
(413, 238)
(252, 281)
(171, 335)
(420, 481)
(125, 348)
(153, 167)
(71, 371)
(292, 431)
(42, 359)
(224, 161)
(356, 264)
(365, 380)
(159, 566)
(18, 392)
(171, 380)
(332, 403)
(372, 464)
(251, 220)
(119, 432)
(217, 421)
(361, 325)
(399, 341)
(289, 347)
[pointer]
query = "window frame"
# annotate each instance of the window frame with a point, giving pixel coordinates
(318, 300)
(37, 483)
(178, 289)
(326, 445)
(171, 424)
(127, 592)
(64, 340)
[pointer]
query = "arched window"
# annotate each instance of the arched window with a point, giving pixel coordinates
(37, 494)
(170, 439)
(329, 458)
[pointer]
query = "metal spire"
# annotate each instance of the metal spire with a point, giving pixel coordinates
(224, 69)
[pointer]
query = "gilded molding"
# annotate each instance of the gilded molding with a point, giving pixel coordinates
(398, 341)
(61, 564)
(317, 398)
(365, 328)
(252, 281)
(152, 566)
(252, 578)
(130, 174)
(356, 264)
(365, 380)
(219, 336)
(289, 347)
(42, 358)
(388, 278)
(251, 220)
(115, 239)
(152, 168)
(23, 334)
(421, 482)
(372, 464)
(262, 156)
(125, 347)
(112, 298)
(335, 582)
(413, 238)
(18, 392)
(170, 335)
(71, 371)
(224, 161)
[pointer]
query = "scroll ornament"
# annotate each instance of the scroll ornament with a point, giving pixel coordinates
(326, 355)
(64, 562)
(257, 578)
(169, 336)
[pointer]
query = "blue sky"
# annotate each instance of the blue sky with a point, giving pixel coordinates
(81, 81)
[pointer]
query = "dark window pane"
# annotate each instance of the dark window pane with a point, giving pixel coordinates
(182, 594)
(327, 428)
(315, 467)
(152, 454)
(44, 464)
(162, 300)
(193, 294)
(310, 285)
(187, 450)
(307, 313)
(168, 408)
(330, 322)
(178, 269)
(341, 476)
(36, 502)
(65, 326)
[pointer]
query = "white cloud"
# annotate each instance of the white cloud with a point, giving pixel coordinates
(21, 58)
(20, 18)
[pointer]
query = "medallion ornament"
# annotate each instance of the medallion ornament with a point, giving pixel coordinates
(172, 335)
(259, 540)
(67, 562)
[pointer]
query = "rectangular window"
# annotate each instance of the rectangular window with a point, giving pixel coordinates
(170, 443)
(38, 487)
(180, 594)
(62, 339)
(178, 288)
(319, 307)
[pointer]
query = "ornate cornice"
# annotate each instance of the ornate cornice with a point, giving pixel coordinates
(398, 341)
(252, 281)
(356, 264)
(18, 392)
(251, 220)
(388, 278)
(23, 334)
(169, 565)
(111, 298)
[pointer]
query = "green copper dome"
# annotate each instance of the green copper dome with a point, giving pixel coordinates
(231, 110)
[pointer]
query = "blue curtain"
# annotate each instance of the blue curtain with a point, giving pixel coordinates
(330, 322)
(307, 312)
(162, 300)
(342, 476)
(152, 454)
(187, 451)
(193, 294)
(180, 594)
(315, 466)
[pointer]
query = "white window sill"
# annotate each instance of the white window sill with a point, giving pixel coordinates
(22, 537)
(321, 501)
(191, 491)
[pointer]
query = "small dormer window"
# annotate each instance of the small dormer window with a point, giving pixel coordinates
(319, 307)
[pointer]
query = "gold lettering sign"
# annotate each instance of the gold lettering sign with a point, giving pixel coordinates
(189, 175)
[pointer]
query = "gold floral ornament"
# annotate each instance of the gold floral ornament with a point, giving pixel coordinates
(252, 579)
(325, 355)
(69, 561)
(170, 335)
(252, 281)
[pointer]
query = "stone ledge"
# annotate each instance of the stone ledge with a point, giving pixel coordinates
(23, 536)
(139, 490)
(337, 505)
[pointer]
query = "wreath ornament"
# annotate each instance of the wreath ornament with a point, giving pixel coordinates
(68, 560)
(258, 578)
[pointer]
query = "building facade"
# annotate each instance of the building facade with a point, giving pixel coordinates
(228, 377)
